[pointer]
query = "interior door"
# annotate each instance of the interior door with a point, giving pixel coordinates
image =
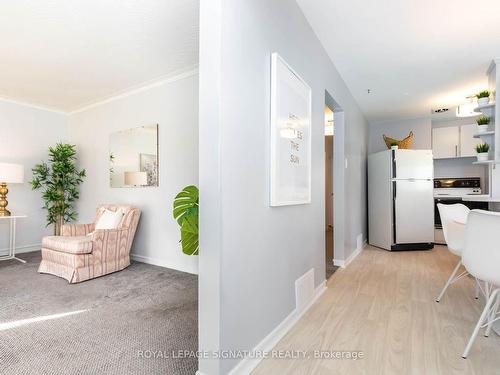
(414, 206)
(329, 198)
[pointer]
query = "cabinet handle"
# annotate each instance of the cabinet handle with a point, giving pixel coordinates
(456, 150)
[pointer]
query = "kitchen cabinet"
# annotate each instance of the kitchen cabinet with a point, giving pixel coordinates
(445, 142)
(467, 141)
(454, 142)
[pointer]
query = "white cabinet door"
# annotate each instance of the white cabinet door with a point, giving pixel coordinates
(467, 141)
(445, 142)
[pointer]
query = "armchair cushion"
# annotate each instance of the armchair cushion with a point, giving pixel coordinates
(66, 244)
(109, 219)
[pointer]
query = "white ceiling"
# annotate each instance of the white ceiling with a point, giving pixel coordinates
(413, 54)
(65, 54)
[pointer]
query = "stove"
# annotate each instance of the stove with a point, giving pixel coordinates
(451, 191)
(456, 187)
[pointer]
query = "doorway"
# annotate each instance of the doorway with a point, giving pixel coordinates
(329, 201)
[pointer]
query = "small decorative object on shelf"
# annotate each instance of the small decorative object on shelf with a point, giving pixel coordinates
(403, 144)
(482, 124)
(394, 145)
(483, 98)
(482, 152)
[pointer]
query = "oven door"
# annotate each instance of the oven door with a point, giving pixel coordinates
(437, 218)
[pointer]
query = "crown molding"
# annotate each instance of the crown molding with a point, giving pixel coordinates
(170, 78)
(32, 105)
(165, 79)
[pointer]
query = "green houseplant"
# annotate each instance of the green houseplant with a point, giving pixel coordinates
(483, 97)
(482, 151)
(185, 211)
(482, 124)
(58, 179)
(394, 145)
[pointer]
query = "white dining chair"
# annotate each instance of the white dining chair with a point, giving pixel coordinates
(454, 219)
(481, 258)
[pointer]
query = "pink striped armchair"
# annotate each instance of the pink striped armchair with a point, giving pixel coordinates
(82, 253)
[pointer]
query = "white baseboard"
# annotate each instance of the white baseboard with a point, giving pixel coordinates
(355, 253)
(162, 263)
(247, 365)
(22, 249)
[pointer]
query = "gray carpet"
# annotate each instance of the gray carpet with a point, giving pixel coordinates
(128, 316)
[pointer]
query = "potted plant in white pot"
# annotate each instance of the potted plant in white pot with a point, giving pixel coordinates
(482, 124)
(482, 151)
(483, 98)
(394, 145)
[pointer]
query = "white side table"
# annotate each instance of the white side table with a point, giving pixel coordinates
(12, 237)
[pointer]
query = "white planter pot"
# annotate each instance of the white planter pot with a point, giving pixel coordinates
(482, 128)
(483, 101)
(394, 147)
(482, 156)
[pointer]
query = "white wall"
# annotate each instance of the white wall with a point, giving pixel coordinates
(174, 106)
(26, 134)
(399, 129)
(251, 254)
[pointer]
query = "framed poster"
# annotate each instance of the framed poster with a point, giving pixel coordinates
(290, 136)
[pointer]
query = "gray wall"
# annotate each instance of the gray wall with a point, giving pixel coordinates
(251, 254)
(26, 134)
(399, 129)
(174, 107)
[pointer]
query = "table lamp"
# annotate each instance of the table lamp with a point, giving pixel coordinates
(136, 178)
(9, 174)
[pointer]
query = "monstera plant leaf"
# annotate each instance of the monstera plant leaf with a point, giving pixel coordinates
(185, 211)
(189, 234)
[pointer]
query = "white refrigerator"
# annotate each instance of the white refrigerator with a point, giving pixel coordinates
(401, 199)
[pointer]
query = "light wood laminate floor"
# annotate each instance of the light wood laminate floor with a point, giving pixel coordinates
(383, 304)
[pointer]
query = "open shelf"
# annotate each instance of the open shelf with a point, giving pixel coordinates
(486, 162)
(479, 135)
(486, 106)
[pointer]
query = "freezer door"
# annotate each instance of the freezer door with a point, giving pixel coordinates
(417, 164)
(414, 211)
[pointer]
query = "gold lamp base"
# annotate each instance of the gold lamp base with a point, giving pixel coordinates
(3, 200)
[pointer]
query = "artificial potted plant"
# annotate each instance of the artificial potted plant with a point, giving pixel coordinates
(394, 145)
(185, 211)
(482, 151)
(59, 180)
(482, 124)
(483, 98)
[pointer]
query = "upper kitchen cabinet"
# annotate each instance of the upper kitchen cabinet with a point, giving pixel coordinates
(468, 141)
(454, 141)
(445, 142)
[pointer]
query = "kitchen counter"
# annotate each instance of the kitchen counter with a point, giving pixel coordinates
(481, 198)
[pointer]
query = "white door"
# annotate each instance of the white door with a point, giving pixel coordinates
(414, 211)
(445, 142)
(467, 141)
(416, 164)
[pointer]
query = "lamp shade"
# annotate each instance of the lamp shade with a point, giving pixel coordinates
(11, 173)
(136, 178)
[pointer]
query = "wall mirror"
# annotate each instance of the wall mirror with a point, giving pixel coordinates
(133, 157)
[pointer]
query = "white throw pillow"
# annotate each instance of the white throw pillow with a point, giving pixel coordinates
(109, 219)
